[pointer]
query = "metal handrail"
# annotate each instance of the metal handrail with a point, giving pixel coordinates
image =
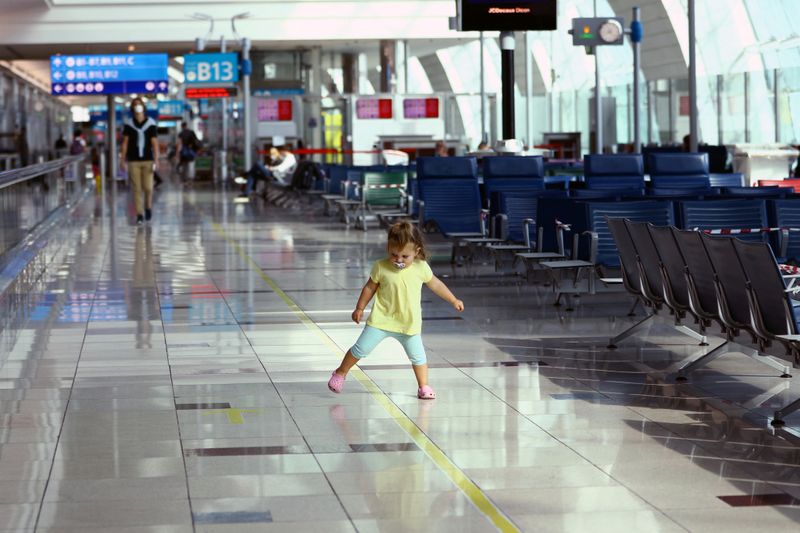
(19, 175)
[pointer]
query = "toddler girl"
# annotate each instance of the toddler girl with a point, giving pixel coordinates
(397, 312)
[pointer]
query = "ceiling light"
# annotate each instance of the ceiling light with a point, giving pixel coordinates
(131, 47)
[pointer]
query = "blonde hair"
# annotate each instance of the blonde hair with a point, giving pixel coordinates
(404, 232)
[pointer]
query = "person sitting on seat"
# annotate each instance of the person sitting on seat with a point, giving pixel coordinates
(258, 172)
(281, 169)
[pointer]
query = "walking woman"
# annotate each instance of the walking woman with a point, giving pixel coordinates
(139, 155)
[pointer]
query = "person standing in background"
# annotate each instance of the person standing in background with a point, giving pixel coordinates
(61, 145)
(78, 145)
(138, 156)
(186, 150)
(22, 147)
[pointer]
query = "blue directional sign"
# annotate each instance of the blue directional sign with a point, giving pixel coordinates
(99, 112)
(109, 74)
(170, 109)
(211, 68)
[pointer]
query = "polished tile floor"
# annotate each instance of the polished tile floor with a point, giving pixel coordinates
(172, 378)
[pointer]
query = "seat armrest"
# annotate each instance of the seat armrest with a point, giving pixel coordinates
(576, 241)
(501, 226)
(421, 210)
(593, 240)
(560, 240)
(784, 242)
(526, 232)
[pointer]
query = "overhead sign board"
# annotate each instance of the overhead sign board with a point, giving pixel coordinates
(278, 92)
(210, 92)
(99, 112)
(170, 109)
(211, 68)
(507, 15)
(108, 74)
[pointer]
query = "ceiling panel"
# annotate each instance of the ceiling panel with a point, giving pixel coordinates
(296, 21)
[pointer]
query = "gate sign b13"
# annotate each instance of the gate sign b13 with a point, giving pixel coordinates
(211, 68)
(108, 74)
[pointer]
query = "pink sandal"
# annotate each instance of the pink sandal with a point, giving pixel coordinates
(336, 383)
(426, 393)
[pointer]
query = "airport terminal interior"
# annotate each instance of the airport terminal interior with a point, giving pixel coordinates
(210, 210)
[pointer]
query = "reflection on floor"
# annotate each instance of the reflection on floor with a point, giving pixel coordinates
(172, 378)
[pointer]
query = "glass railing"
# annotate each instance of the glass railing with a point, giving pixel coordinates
(29, 195)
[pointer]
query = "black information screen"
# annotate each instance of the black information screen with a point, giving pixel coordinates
(508, 15)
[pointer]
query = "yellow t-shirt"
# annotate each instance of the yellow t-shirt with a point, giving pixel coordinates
(398, 301)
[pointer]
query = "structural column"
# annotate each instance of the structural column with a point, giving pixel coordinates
(223, 154)
(746, 82)
(776, 103)
(507, 77)
(528, 90)
(484, 137)
(693, 123)
(388, 55)
(349, 73)
(315, 107)
(671, 109)
(247, 70)
(405, 66)
(720, 122)
(637, 91)
(111, 135)
(598, 106)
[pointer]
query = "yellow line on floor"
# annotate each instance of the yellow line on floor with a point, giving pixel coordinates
(456, 475)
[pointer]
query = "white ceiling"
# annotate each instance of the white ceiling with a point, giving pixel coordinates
(38, 28)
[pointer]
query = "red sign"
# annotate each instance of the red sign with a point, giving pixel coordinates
(273, 110)
(374, 108)
(210, 92)
(683, 106)
(421, 108)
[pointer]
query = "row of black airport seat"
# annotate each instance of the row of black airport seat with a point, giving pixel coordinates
(728, 281)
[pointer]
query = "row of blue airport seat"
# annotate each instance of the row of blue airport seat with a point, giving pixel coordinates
(448, 188)
(450, 194)
(622, 175)
(589, 216)
(666, 171)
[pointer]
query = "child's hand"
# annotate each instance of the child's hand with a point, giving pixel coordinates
(458, 305)
(356, 316)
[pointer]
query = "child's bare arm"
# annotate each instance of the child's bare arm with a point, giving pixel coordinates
(441, 290)
(366, 295)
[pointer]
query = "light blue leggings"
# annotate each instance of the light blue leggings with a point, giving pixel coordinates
(371, 337)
